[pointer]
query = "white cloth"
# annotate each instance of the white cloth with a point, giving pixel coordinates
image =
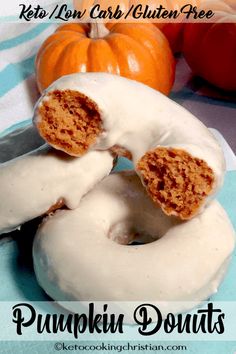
(18, 90)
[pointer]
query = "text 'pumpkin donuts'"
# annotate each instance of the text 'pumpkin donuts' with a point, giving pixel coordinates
(176, 156)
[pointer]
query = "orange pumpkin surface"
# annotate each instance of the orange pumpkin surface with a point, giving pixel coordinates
(137, 51)
(210, 48)
(174, 34)
(172, 30)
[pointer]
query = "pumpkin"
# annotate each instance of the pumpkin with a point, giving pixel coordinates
(174, 34)
(137, 51)
(210, 48)
(173, 31)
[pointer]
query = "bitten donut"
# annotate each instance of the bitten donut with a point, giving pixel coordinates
(176, 156)
(84, 254)
(44, 180)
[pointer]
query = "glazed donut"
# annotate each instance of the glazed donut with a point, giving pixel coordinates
(176, 156)
(84, 255)
(44, 180)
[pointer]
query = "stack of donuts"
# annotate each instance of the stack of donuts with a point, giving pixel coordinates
(159, 221)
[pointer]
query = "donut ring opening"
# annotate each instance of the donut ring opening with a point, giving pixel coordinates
(175, 180)
(70, 121)
(127, 233)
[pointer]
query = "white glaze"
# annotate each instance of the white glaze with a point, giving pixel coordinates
(75, 260)
(140, 118)
(31, 184)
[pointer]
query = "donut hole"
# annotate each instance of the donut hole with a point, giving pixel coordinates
(176, 181)
(126, 233)
(69, 120)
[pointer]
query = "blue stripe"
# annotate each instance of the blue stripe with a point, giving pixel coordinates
(13, 74)
(8, 19)
(27, 36)
(19, 125)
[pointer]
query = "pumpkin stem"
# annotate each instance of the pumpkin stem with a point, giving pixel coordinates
(98, 30)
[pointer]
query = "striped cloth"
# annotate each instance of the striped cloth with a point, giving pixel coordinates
(18, 91)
